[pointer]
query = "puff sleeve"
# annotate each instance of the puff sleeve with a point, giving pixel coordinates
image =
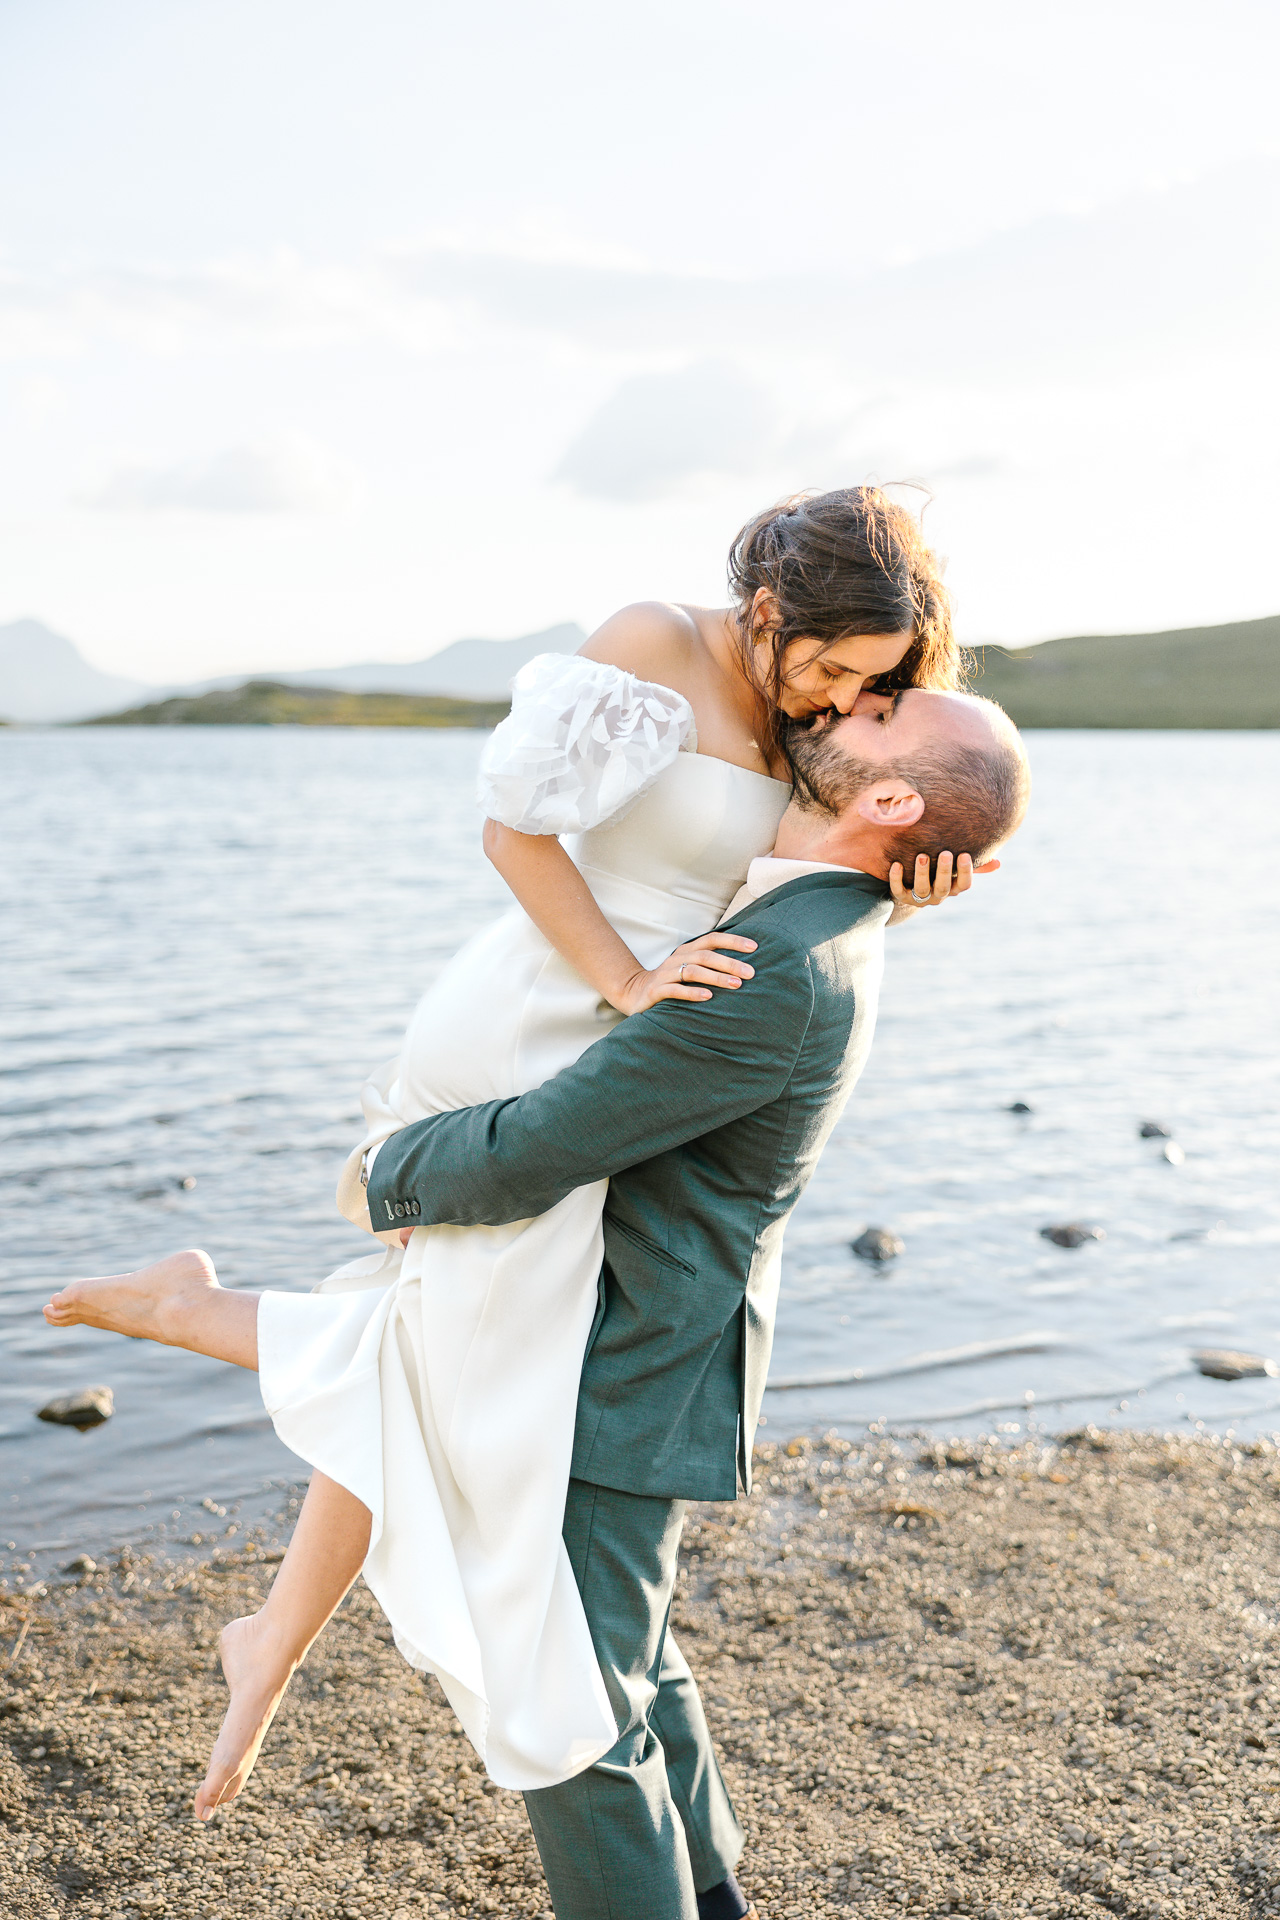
(582, 742)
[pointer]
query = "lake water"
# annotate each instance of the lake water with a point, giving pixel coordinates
(209, 936)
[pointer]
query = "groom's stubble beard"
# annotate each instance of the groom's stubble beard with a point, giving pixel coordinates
(826, 778)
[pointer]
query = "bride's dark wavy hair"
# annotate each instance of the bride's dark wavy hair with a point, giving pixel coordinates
(840, 564)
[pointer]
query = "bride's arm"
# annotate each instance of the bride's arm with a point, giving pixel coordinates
(559, 902)
(649, 1086)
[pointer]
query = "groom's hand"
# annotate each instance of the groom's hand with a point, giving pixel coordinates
(949, 879)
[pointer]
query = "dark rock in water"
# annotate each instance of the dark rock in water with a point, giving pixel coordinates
(1152, 1130)
(1020, 1106)
(82, 1563)
(88, 1408)
(878, 1244)
(1072, 1235)
(1220, 1364)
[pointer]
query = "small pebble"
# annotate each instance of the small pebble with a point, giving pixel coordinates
(81, 1564)
(1153, 1130)
(1220, 1363)
(1020, 1106)
(1173, 1153)
(877, 1243)
(1072, 1235)
(88, 1408)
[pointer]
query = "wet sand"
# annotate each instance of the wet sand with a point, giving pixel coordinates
(964, 1680)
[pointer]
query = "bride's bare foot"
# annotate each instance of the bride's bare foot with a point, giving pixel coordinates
(152, 1304)
(258, 1668)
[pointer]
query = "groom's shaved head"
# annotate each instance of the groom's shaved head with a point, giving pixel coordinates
(962, 756)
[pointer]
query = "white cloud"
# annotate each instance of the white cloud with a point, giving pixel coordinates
(271, 301)
(1078, 391)
(1192, 266)
(658, 430)
(287, 475)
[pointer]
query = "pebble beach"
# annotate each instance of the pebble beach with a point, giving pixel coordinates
(947, 1679)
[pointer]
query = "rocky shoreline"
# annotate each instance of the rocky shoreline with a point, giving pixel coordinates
(964, 1680)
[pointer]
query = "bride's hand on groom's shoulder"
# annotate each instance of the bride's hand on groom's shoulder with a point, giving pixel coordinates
(950, 877)
(692, 972)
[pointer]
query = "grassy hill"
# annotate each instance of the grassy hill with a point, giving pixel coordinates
(1194, 677)
(268, 703)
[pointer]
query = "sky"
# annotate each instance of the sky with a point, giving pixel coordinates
(334, 332)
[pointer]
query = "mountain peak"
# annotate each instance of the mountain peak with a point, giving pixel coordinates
(44, 676)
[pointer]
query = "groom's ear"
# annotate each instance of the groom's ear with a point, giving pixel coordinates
(889, 803)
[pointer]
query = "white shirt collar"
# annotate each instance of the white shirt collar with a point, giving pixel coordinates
(768, 872)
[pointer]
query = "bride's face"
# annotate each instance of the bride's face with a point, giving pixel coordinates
(818, 678)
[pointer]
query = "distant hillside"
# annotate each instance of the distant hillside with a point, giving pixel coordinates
(1225, 676)
(269, 703)
(467, 670)
(1191, 677)
(43, 677)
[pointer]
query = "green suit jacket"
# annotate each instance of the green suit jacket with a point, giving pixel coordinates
(708, 1118)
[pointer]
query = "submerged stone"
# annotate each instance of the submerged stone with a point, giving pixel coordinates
(88, 1408)
(1219, 1363)
(877, 1243)
(1072, 1234)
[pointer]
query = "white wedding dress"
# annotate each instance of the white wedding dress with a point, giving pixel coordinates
(439, 1384)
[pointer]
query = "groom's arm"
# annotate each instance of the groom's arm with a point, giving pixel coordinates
(661, 1078)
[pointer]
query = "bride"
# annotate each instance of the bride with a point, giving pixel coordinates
(432, 1385)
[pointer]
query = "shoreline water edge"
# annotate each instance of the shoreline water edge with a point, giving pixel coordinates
(945, 1677)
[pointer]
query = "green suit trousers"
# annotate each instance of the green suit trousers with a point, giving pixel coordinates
(650, 1826)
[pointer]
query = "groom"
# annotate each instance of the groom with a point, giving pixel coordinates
(708, 1119)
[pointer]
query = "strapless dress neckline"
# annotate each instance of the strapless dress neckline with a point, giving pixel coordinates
(734, 767)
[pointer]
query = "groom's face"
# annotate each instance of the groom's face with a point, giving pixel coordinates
(839, 756)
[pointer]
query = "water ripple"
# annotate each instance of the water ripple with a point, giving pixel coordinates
(207, 938)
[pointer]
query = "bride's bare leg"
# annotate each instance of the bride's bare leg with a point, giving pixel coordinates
(261, 1652)
(177, 1301)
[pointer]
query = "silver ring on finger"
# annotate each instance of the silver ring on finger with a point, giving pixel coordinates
(921, 899)
(683, 965)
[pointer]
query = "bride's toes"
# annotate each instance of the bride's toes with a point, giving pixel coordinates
(258, 1669)
(83, 1301)
(147, 1305)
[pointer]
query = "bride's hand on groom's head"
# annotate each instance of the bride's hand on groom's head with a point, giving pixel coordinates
(692, 972)
(950, 877)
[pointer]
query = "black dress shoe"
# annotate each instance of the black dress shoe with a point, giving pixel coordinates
(725, 1902)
